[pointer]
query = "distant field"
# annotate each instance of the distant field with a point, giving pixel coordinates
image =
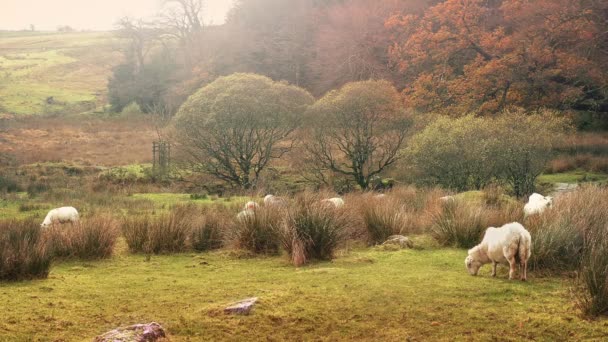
(71, 68)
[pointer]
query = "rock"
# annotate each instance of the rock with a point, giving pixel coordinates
(243, 307)
(400, 241)
(150, 332)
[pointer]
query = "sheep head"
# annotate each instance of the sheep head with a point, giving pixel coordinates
(472, 263)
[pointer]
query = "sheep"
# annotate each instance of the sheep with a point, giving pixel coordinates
(446, 198)
(336, 202)
(248, 211)
(272, 200)
(60, 215)
(537, 203)
(510, 244)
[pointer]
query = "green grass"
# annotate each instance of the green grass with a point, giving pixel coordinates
(170, 199)
(573, 177)
(364, 295)
(73, 68)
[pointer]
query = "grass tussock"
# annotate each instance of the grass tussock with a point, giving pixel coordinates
(92, 238)
(313, 230)
(208, 231)
(166, 233)
(23, 251)
(462, 223)
(258, 231)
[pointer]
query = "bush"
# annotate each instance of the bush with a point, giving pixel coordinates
(36, 188)
(462, 223)
(470, 152)
(167, 233)
(313, 230)
(92, 238)
(207, 232)
(23, 251)
(382, 218)
(8, 184)
(259, 233)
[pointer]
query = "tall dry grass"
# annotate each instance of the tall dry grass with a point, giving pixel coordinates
(462, 223)
(23, 251)
(166, 233)
(573, 235)
(313, 230)
(258, 232)
(94, 237)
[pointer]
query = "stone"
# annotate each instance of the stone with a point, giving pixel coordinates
(399, 240)
(150, 332)
(242, 307)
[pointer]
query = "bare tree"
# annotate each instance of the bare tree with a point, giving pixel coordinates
(234, 127)
(357, 131)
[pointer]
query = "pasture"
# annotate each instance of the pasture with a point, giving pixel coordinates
(365, 294)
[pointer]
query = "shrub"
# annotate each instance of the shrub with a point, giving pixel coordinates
(91, 238)
(23, 251)
(470, 152)
(36, 188)
(207, 232)
(313, 230)
(8, 184)
(259, 233)
(167, 233)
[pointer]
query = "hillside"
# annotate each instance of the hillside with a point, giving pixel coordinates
(55, 73)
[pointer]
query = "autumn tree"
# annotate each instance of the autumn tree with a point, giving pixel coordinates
(352, 41)
(484, 56)
(356, 131)
(234, 127)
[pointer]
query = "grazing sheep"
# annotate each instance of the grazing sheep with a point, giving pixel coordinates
(446, 198)
(537, 203)
(336, 202)
(272, 200)
(507, 244)
(60, 215)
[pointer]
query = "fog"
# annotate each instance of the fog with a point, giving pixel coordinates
(88, 14)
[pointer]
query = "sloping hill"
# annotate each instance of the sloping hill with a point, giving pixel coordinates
(55, 73)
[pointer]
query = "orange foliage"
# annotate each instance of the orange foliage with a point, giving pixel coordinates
(482, 56)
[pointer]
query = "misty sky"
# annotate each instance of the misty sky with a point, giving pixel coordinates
(88, 14)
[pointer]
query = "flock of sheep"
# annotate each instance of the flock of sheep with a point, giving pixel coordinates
(509, 244)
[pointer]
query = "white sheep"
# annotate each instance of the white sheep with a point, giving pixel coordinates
(248, 211)
(537, 203)
(60, 215)
(509, 244)
(446, 198)
(272, 200)
(336, 202)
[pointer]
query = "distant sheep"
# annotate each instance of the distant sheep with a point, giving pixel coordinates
(248, 211)
(336, 202)
(446, 198)
(537, 203)
(272, 200)
(60, 215)
(509, 244)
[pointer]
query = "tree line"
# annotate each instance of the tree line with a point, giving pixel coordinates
(451, 57)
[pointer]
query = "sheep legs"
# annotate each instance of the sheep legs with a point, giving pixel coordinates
(524, 270)
(512, 264)
(494, 269)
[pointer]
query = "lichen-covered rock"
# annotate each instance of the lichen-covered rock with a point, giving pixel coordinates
(151, 332)
(243, 307)
(399, 240)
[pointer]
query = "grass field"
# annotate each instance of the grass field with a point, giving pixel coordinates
(366, 294)
(72, 68)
